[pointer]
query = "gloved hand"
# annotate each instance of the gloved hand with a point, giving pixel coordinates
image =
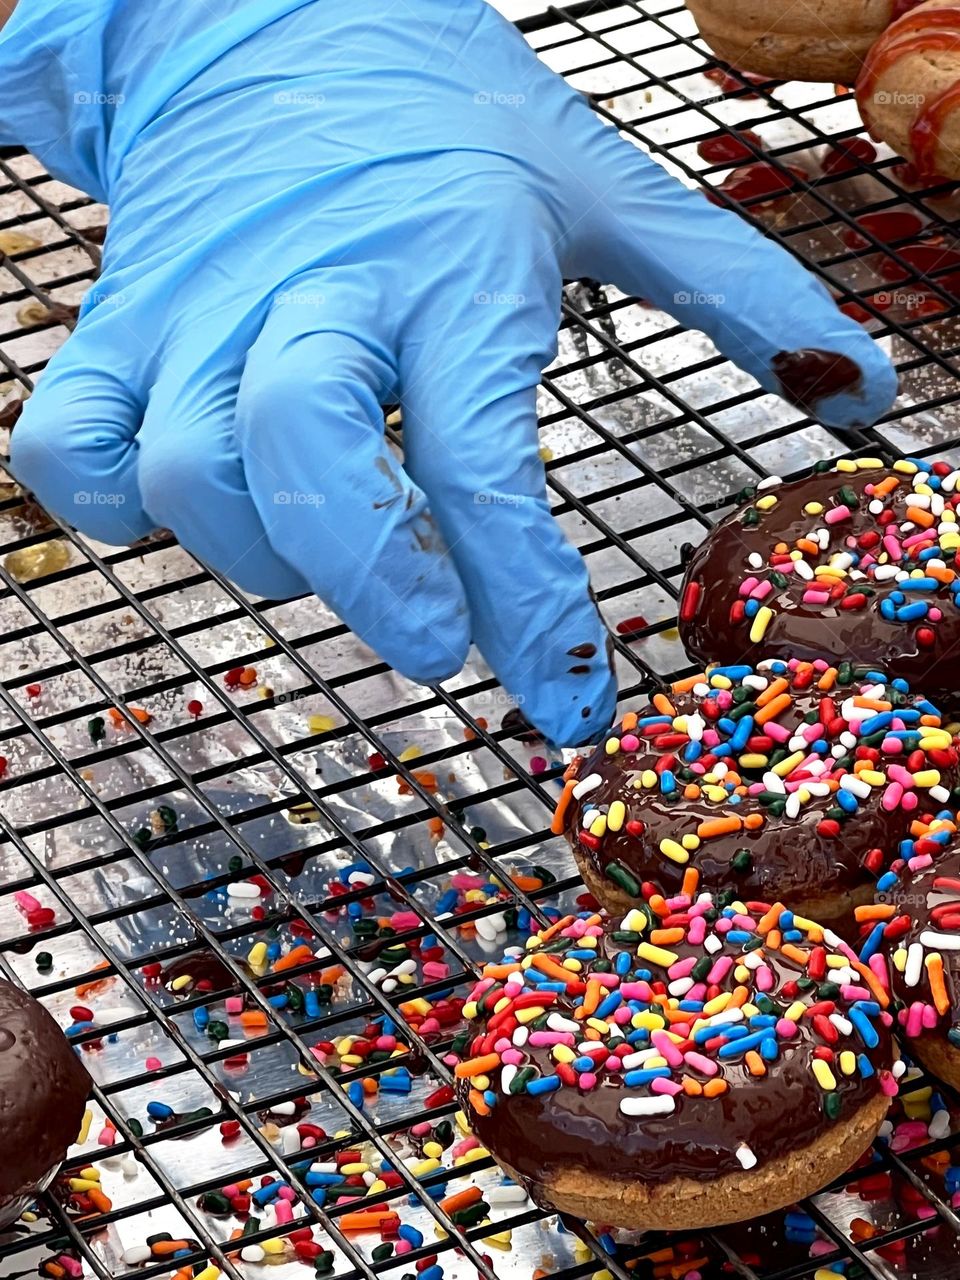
(320, 208)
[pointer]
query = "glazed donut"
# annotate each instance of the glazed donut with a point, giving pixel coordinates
(688, 1066)
(917, 918)
(795, 39)
(43, 1093)
(854, 561)
(909, 89)
(797, 782)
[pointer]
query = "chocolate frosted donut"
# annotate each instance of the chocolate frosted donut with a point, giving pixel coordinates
(916, 921)
(856, 562)
(800, 782)
(43, 1092)
(685, 1067)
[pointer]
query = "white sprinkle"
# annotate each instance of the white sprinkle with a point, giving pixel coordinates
(506, 1077)
(712, 943)
(770, 483)
(695, 726)
(899, 1067)
(557, 1022)
(939, 1126)
(658, 1104)
(875, 507)
(505, 1193)
(755, 560)
(803, 570)
(884, 572)
(940, 794)
(755, 682)
(243, 889)
(746, 1157)
(843, 1026)
(773, 782)
(284, 1108)
(680, 987)
(252, 1253)
(941, 941)
(521, 1036)
(701, 690)
(792, 808)
(590, 783)
(949, 483)
(856, 786)
(289, 1139)
(137, 1254)
(634, 1060)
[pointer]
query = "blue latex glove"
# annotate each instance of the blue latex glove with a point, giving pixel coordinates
(319, 208)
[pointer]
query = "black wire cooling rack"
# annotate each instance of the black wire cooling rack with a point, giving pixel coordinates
(396, 832)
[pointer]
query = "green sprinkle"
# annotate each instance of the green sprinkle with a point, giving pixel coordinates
(619, 874)
(832, 1104)
(742, 861)
(44, 961)
(751, 517)
(382, 1252)
(96, 729)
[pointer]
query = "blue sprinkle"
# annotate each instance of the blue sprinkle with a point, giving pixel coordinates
(432, 1273)
(876, 677)
(847, 801)
(732, 673)
(396, 1081)
(751, 608)
(355, 1093)
(888, 610)
(887, 881)
(643, 1075)
(897, 597)
(921, 584)
(322, 1179)
(864, 1065)
(668, 783)
(927, 708)
(201, 1018)
(878, 722)
(410, 1234)
(769, 1049)
(692, 751)
(159, 1111)
(872, 944)
(913, 612)
(311, 1004)
(279, 1001)
(544, 1084)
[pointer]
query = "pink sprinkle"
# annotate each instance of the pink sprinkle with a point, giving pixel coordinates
(820, 665)
(786, 1029)
(629, 742)
(667, 1048)
(512, 1057)
(920, 861)
(663, 1085)
(547, 1039)
(26, 901)
(922, 536)
(283, 1211)
(107, 1136)
(934, 614)
(747, 585)
(428, 1026)
(930, 1017)
(892, 796)
(910, 801)
(836, 514)
(815, 597)
(538, 764)
(761, 590)
(233, 1004)
(587, 1080)
(697, 932)
(461, 880)
(897, 773)
(682, 969)
(763, 976)
(892, 547)
(402, 1246)
(723, 925)
(433, 969)
(778, 732)
(891, 746)
(888, 1085)
(153, 1064)
(699, 1063)
(851, 993)
(469, 1143)
(724, 699)
(710, 737)
(287, 1194)
(914, 1019)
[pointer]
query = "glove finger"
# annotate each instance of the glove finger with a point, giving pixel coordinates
(708, 268)
(469, 371)
(75, 444)
(191, 474)
(334, 500)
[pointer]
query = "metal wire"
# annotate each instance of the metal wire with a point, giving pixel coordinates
(591, 39)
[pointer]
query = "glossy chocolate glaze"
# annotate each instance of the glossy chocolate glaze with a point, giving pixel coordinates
(918, 895)
(205, 968)
(43, 1092)
(809, 375)
(773, 1114)
(810, 631)
(790, 861)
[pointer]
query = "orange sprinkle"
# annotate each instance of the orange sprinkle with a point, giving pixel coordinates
(754, 821)
(878, 912)
(248, 676)
(370, 1219)
(370, 1086)
(691, 882)
(774, 940)
(755, 1064)
(573, 768)
(773, 709)
(99, 1201)
(773, 690)
(556, 928)
(527, 884)
(938, 989)
(253, 1018)
(883, 487)
(563, 804)
(629, 722)
(664, 705)
(715, 1088)
(693, 1088)
(806, 544)
(477, 1066)
(828, 679)
(435, 827)
(666, 937)
(769, 919)
(685, 685)
(873, 982)
(691, 791)
(719, 827)
(546, 964)
(739, 997)
(872, 704)
(941, 575)
(795, 953)
(54, 1269)
(658, 905)
(461, 1200)
(96, 985)
(160, 1248)
(919, 516)
(932, 722)
(299, 955)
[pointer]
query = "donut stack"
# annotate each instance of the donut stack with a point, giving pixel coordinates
(773, 844)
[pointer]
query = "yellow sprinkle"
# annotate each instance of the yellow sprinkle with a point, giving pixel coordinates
(936, 740)
(864, 464)
(479, 1083)
(848, 1062)
(351, 1059)
(179, 983)
(598, 1024)
(873, 777)
(716, 794)
(358, 1166)
(950, 541)
(90, 1172)
(900, 959)
(813, 509)
(846, 464)
(753, 761)
(616, 815)
(83, 1184)
(85, 1124)
(717, 1004)
(462, 1123)
(649, 1021)
(675, 852)
(791, 762)
(721, 682)
(322, 724)
(210, 1272)
(767, 502)
(796, 1011)
(546, 453)
(741, 973)
(656, 955)
(904, 467)
(758, 627)
(470, 1008)
(423, 1167)
(634, 922)
(563, 1053)
(690, 841)
(573, 965)
(926, 778)
(648, 778)
(612, 746)
(376, 1187)
(825, 1077)
(598, 827)
(499, 1239)
(257, 955)
(409, 753)
(271, 1246)
(530, 1015)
